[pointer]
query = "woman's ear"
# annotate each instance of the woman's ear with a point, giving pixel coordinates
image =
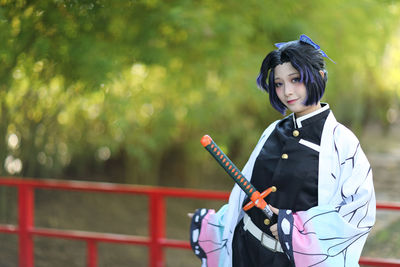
(322, 73)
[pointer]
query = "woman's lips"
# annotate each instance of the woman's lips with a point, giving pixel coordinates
(291, 101)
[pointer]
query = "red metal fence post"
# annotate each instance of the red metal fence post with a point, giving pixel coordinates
(157, 229)
(25, 224)
(91, 253)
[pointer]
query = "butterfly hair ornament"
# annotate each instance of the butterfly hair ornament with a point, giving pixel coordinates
(305, 39)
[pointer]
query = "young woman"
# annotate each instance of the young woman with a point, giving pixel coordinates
(324, 205)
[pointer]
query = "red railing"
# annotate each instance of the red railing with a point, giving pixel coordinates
(156, 242)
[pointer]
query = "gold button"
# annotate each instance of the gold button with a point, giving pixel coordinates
(266, 221)
(285, 156)
(296, 133)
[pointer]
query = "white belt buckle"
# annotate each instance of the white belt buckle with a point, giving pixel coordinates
(267, 237)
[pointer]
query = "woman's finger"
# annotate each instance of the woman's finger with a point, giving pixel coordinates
(274, 210)
(274, 231)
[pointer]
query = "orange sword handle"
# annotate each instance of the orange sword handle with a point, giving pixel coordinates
(257, 199)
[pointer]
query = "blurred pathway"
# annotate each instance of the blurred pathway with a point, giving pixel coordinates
(383, 152)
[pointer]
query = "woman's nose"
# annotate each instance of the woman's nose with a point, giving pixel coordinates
(288, 90)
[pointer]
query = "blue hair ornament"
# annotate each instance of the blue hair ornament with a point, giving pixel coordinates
(305, 39)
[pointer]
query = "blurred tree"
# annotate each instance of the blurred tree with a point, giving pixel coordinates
(123, 90)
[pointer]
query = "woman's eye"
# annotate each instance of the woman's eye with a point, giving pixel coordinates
(296, 80)
(278, 85)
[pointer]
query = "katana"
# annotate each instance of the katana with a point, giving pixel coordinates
(257, 198)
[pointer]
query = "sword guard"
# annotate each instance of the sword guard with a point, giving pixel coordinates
(258, 200)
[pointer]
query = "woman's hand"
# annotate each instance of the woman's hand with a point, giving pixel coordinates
(274, 228)
(190, 215)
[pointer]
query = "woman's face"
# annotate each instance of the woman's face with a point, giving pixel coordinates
(291, 91)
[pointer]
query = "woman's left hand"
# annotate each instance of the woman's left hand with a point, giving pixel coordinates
(274, 228)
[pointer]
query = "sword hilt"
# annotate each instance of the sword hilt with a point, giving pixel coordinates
(257, 199)
(227, 164)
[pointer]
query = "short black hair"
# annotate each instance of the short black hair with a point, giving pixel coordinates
(305, 59)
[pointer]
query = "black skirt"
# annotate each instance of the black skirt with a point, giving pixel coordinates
(248, 251)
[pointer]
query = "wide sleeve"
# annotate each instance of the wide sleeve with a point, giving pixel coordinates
(333, 233)
(206, 232)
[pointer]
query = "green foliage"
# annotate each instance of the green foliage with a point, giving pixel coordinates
(124, 90)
